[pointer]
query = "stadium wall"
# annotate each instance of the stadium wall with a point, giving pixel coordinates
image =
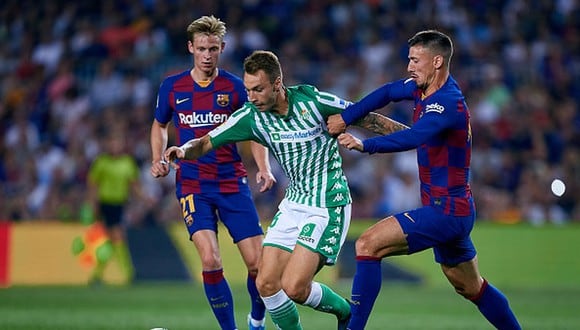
(39, 253)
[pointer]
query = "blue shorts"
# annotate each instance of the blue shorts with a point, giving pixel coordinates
(235, 210)
(428, 227)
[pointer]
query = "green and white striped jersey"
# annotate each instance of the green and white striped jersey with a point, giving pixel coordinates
(300, 143)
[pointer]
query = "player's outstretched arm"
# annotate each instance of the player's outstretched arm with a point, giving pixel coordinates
(190, 150)
(377, 123)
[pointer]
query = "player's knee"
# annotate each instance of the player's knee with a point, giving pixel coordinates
(266, 286)
(211, 261)
(298, 293)
(253, 265)
(467, 291)
(365, 246)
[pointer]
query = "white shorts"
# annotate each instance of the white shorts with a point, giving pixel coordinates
(322, 230)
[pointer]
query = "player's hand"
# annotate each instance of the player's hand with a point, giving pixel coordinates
(172, 154)
(159, 168)
(350, 142)
(266, 178)
(335, 124)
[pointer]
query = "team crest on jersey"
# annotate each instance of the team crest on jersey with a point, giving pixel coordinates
(223, 100)
(304, 113)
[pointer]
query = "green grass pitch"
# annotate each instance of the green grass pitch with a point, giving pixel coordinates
(537, 268)
(183, 306)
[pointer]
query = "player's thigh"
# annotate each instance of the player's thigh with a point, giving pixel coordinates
(238, 214)
(272, 264)
(251, 249)
(207, 247)
(384, 238)
(300, 270)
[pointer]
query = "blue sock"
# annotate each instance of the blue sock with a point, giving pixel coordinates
(494, 305)
(258, 308)
(366, 286)
(220, 299)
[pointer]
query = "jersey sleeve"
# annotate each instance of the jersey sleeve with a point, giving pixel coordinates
(391, 92)
(329, 104)
(438, 116)
(237, 128)
(163, 111)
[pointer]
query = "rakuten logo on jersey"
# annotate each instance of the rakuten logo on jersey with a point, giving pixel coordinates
(201, 119)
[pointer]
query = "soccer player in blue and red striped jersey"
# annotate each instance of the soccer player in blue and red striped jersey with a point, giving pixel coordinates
(197, 101)
(441, 133)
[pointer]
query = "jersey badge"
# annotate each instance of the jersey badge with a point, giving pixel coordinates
(189, 220)
(223, 100)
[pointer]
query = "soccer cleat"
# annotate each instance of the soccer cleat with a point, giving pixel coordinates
(343, 324)
(260, 327)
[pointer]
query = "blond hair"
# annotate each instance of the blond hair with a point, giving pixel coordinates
(209, 25)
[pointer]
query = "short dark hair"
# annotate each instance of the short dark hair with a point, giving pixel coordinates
(438, 42)
(263, 60)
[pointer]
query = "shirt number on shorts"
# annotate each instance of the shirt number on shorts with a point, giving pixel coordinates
(187, 205)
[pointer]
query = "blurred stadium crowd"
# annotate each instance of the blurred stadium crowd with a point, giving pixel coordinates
(71, 71)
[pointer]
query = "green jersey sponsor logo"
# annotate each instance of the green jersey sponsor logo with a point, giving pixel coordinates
(307, 230)
(306, 233)
(296, 136)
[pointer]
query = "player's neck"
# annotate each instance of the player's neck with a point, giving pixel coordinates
(438, 81)
(281, 105)
(203, 78)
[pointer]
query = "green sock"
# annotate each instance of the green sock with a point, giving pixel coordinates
(97, 273)
(124, 258)
(333, 303)
(286, 316)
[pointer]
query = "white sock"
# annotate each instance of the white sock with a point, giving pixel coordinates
(276, 300)
(315, 295)
(257, 323)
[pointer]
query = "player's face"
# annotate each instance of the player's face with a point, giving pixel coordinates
(261, 92)
(421, 66)
(206, 50)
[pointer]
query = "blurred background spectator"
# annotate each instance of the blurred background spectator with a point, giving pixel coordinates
(71, 70)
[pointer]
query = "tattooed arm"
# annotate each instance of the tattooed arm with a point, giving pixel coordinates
(377, 123)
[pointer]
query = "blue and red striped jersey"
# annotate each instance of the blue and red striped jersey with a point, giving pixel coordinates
(441, 133)
(196, 110)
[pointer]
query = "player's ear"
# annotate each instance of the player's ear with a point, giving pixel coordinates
(190, 46)
(222, 47)
(438, 61)
(277, 83)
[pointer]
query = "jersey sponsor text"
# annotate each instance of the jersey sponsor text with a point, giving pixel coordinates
(200, 119)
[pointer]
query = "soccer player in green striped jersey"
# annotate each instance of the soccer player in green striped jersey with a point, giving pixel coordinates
(312, 220)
